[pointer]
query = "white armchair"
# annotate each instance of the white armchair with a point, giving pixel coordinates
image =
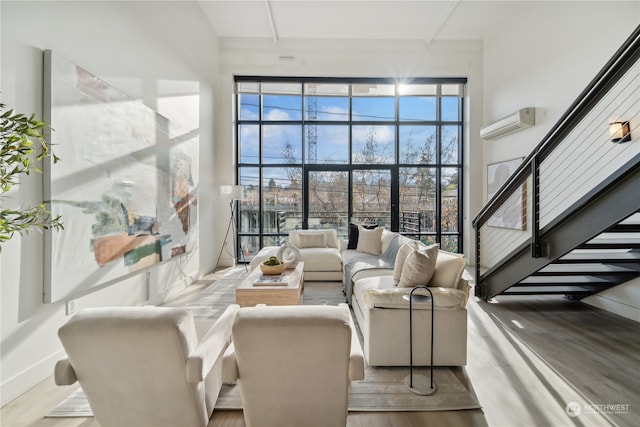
(295, 364)
(145, 366)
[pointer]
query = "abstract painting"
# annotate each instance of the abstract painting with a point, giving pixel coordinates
(124, 187)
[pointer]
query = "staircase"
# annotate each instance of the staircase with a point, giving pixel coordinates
(611, 258)
(580, 196)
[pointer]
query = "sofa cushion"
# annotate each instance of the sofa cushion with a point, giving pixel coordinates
(321, 259)
(401, 257)
(330, 233)
(370, 241)
(350, 256)
(354, 233)
(380, 292)
(449, 268)
(419, 267)
(388, 236)
(312, 240)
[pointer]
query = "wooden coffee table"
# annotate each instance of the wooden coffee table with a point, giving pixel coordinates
(248, 294)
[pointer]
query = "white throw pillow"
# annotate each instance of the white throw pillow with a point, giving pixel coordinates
(370, 241)
(312, 240)
(401, 257)
(449, 268)
(419, 267)
(330, 233)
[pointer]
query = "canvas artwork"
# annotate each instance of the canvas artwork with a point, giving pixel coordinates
(124, 186)
(512, 214)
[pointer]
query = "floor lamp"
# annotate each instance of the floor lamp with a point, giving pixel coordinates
(233, 193)
(418, 383)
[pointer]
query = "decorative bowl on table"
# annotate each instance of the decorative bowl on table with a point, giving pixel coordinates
(270, 267)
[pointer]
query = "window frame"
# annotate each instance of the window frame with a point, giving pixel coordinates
(438, 234)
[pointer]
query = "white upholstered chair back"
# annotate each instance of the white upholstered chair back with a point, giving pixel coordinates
(133, 365)
(294, 364)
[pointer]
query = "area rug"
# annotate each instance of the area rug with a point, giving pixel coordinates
(76, 405)
(382, 389)
(215, 298)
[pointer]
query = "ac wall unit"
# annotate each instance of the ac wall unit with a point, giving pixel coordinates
(521, 119)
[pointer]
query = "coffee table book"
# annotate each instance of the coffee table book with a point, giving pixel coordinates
(272, 280)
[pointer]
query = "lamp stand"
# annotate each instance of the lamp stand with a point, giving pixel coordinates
(419, 384)
(231, 228)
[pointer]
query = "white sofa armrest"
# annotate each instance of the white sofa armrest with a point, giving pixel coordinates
(444, 298)
(356, 358)
(464, 285)
(63, 373)
(212, 346)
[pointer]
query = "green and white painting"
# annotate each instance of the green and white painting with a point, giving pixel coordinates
(125, 186)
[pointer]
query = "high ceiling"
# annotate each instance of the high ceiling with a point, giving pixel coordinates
(426, 20)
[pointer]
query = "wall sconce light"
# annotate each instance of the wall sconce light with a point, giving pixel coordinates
(620, 132)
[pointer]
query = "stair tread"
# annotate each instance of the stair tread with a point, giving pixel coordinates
(573, 279)
(600, 257)
(564, 289)
(589, 268)
(631, 227)
(611, 243)
(633, 239)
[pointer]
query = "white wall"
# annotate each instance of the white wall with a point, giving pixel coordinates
(362, 58)
(623, 300)
(544, 60)
(174, 72)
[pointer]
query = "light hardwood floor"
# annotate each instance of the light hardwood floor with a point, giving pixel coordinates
(528, 358)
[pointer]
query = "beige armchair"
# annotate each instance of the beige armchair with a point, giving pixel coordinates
(294, 364)
(145, 366)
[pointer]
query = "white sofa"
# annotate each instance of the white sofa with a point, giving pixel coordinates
(378, 303)
(383, 317)
(383, 314)
(319, 249)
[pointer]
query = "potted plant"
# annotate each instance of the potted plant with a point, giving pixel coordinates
(20, 138)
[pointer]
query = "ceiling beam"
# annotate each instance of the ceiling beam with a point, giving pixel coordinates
(443, 19)
(274, 33)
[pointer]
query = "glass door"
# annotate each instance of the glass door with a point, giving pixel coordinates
(327, 200)
(418, 203)
(371, 197)
(345, 194)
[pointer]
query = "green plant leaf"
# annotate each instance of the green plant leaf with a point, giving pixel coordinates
(20, 139)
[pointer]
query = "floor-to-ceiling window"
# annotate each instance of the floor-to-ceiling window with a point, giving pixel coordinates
(324, 152)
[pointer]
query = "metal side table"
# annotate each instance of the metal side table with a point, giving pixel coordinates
(419, 383)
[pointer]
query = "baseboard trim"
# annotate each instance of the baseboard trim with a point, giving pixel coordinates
(30, 377)
(613, 306)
